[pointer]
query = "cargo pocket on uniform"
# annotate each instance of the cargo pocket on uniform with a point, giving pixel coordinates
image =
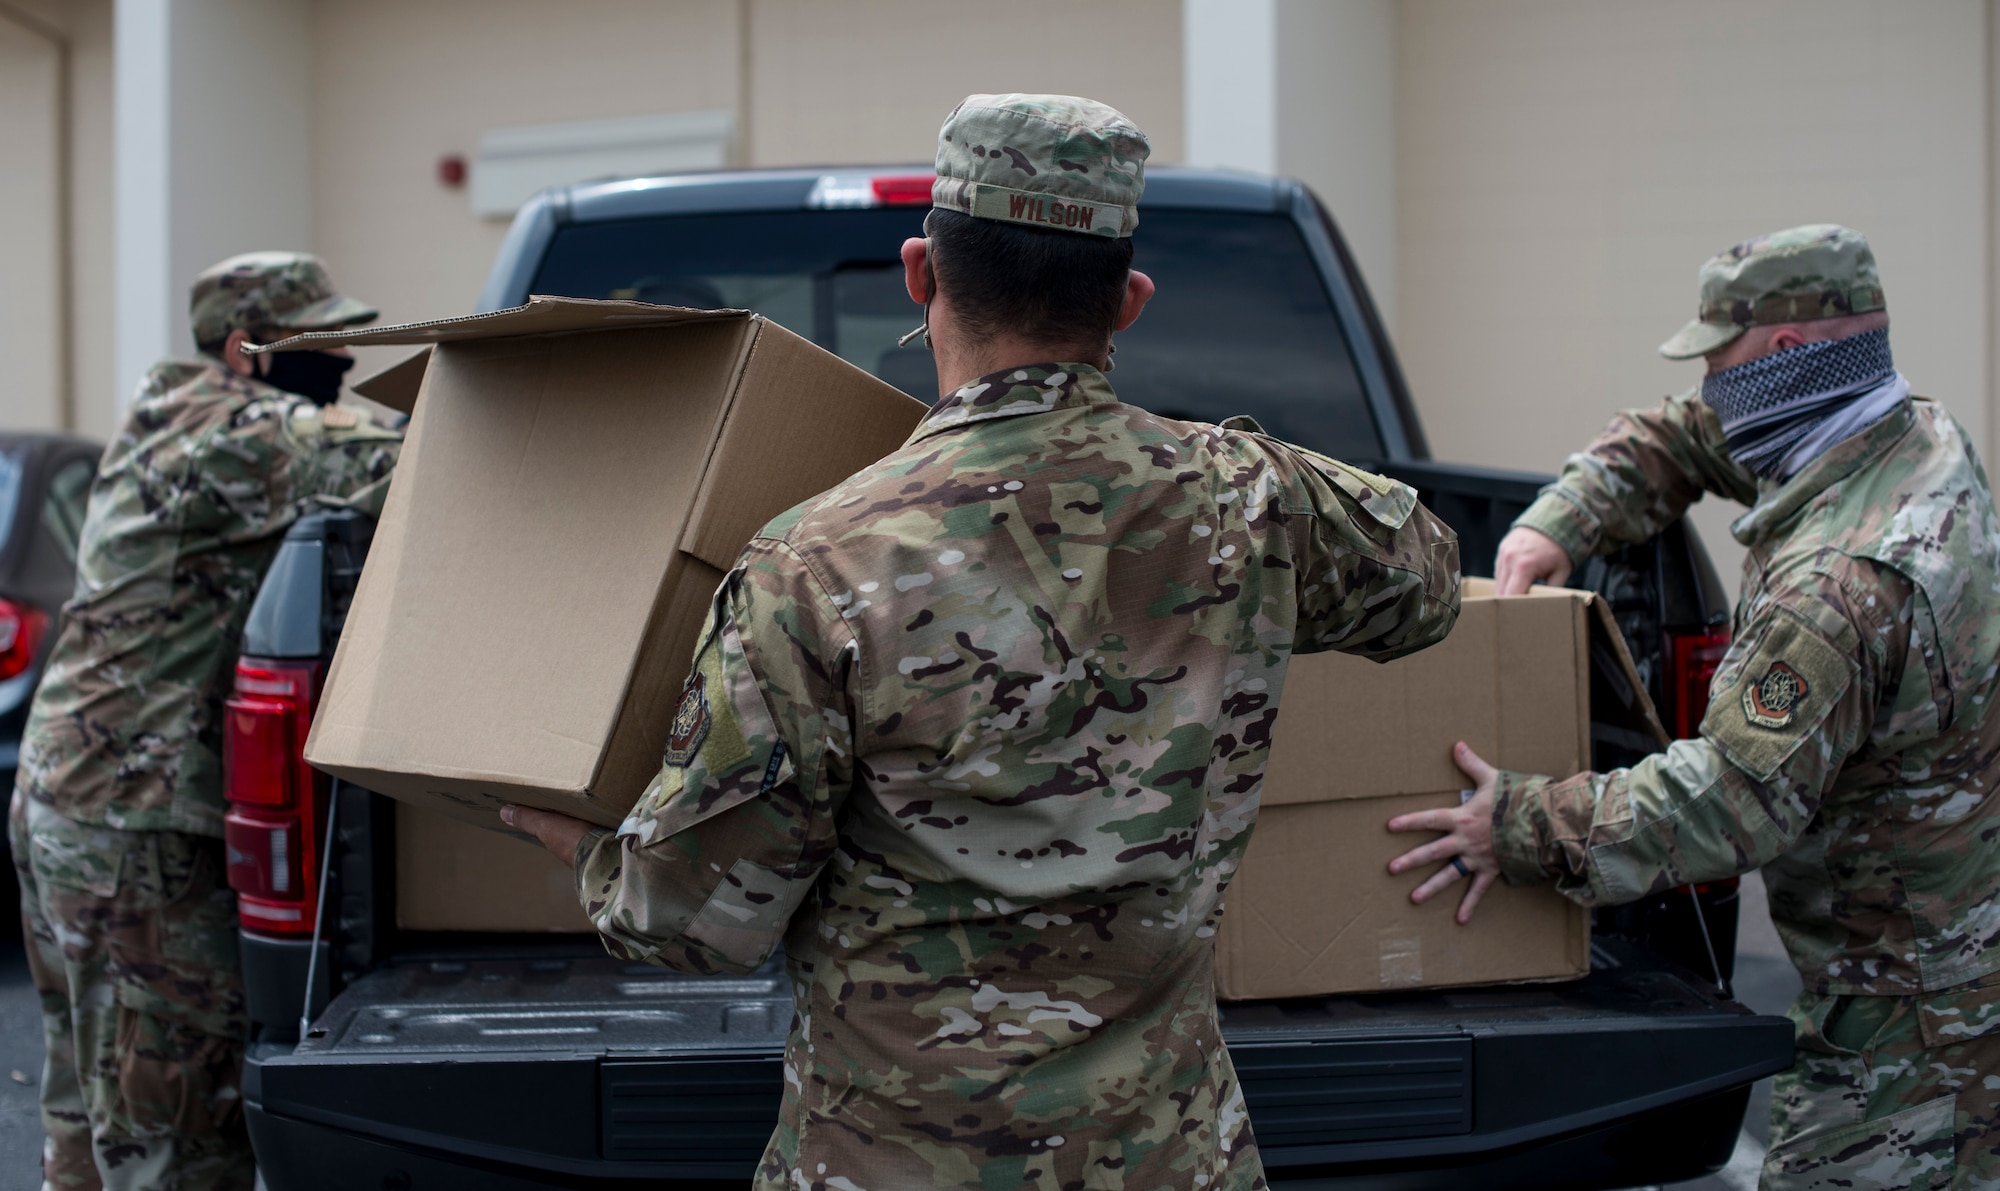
(174, 1080)
(1908, 1151)
(173, 946)
(73, 857)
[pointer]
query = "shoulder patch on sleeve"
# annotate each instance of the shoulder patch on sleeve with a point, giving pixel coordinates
(1767, 702)
(1388, 502)
(722, 747)
(316, 424)
(692, 719)
(706, 724)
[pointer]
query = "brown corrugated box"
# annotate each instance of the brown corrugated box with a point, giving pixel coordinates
(451, 875)
(577, 478)
(1314, 910)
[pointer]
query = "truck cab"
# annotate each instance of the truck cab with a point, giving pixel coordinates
(387, 1053)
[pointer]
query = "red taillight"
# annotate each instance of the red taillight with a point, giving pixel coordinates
(1691, 662)
(913, 190)
(21, 628)
(263, 855)
(276, 801)
(257, 752)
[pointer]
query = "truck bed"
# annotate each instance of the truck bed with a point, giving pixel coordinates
(564, 1067)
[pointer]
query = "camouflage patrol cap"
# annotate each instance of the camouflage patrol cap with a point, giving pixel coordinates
(1821, 270)
(260, 290)
(1048, 161)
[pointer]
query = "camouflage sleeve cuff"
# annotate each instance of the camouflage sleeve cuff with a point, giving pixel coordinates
(1557, 514)
(590, 871)
(1518, 823)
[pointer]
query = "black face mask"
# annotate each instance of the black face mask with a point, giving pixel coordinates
(312, 375)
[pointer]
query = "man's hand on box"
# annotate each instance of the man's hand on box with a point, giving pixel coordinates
(1465, 847)
(559, 833)
(1527, 557)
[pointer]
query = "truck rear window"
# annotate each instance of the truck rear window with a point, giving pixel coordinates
(1241, 323)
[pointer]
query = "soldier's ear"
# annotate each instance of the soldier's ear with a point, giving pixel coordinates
(1785, 338)
(1138, 291)
(917, 269)
(232, 353)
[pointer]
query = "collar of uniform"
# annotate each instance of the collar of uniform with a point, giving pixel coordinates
(168, 375)
(1029, 389)
(1778, 503)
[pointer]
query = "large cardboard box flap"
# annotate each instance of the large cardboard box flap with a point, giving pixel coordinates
(1313, 909)
(578, 476)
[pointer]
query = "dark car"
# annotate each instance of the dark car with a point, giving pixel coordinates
(398, 1058)
(44, 486)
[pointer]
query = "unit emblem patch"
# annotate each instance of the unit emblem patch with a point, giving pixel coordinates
(691, 722)
(1773, 700)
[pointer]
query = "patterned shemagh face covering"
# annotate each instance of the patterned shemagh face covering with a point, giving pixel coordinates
(1784, 410)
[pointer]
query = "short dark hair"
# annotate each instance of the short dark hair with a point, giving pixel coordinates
(1056, 287)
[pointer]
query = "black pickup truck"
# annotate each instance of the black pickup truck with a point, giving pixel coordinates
(399, 1059)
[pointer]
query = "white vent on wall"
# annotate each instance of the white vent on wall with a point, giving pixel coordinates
(514, 163)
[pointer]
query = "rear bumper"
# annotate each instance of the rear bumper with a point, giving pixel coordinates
(294, 1155)
(609, 1078)
(1685, 1142)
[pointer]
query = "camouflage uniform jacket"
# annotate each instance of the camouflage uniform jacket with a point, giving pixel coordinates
(1852, 740)
(186, 512)
(979, 734)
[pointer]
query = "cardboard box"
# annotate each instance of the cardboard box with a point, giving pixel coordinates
(578, 477)
(451, 875)
(1314, 910)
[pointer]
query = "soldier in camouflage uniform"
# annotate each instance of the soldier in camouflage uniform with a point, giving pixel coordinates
(116, 819)
(1852, 741)
(979, 734)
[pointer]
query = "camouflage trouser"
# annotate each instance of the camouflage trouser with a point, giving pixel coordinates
(1872, 1105)
(132, 942)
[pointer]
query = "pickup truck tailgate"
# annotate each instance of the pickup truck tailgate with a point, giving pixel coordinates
(584, 1069)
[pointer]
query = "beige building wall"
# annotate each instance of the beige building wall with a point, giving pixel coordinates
(96, 382)
(397, 84)
(1558, 168)
(853, 81)
(1564, 167)
(30, 259)
(33, 254)
(1336, 64)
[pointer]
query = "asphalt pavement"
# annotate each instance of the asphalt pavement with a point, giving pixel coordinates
(1765, 981)
(20, 1060)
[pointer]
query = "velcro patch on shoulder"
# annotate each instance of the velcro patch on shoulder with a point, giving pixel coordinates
(1767, 701)
(337, 424)
(706, 726)
(1388, 502)
(723, 748)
